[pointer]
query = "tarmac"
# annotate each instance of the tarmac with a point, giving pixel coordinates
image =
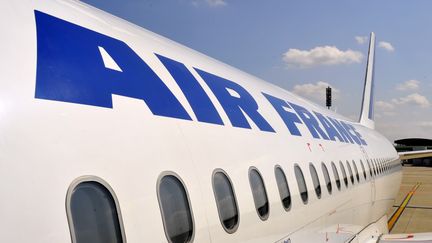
(417, 215)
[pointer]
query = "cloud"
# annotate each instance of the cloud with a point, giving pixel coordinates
(390, 113)
(361, 39)
(425, 124)
(216, 3)
(211, 3)
(386, 46)
(320, 55)
(414, 99)
(315, 91)
(384, 105)
(388, 107)
(408, 85)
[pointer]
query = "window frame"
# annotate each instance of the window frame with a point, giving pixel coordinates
(356, 171)
(377, 166)
(90, 178)
(172, 173)
(289, 191)
(327, 178)
(350, 172)
(305, 201)
(234, 229)
(344, 174)
(370, 168)
(380, 165)
(363, 169)
(317, 188)
(336, 175)
(266, 216)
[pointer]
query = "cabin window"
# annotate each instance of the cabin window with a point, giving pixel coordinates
(336, 175)
(284, 191)
(175, 209)
(94, 215)
(344, 173)
(225, 201)
(315, 180)
(301, 183)
(356, 171)
(326, 178)
(259, 194)
(370, 169)
(377, 166)
(363, 169)
(350, 172)
(374, 167)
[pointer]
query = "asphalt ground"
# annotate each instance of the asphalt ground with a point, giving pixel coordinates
(416, 195)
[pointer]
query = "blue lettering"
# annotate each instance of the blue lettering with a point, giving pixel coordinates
(330, 129)
(235, 106)
(359, 136)
(351, 130)
(195, 94)
(310, 121)
(341, 129)
(70, 69)
(290, 119)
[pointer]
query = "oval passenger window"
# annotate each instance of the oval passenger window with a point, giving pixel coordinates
(363, 169)
(336, 174)
(259, 194)
(283, 188)
(356, 171)
(370, 168)
(326, 177)
(301, 183)
(175, 209)
(94, 215)
(344, 173)
(225, 201)
(350, 172)
(315, 180)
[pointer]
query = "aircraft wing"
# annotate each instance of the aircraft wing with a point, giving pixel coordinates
(417, 237)
(415, 154)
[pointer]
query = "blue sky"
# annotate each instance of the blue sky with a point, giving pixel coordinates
(304, 45)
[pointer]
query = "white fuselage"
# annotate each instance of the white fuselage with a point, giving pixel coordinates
(46, 144)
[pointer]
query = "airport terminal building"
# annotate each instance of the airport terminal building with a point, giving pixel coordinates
(414, 144)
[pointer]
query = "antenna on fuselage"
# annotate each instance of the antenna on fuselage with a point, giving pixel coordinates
(367, 110)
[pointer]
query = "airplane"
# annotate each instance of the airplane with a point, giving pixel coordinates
(112, 133)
